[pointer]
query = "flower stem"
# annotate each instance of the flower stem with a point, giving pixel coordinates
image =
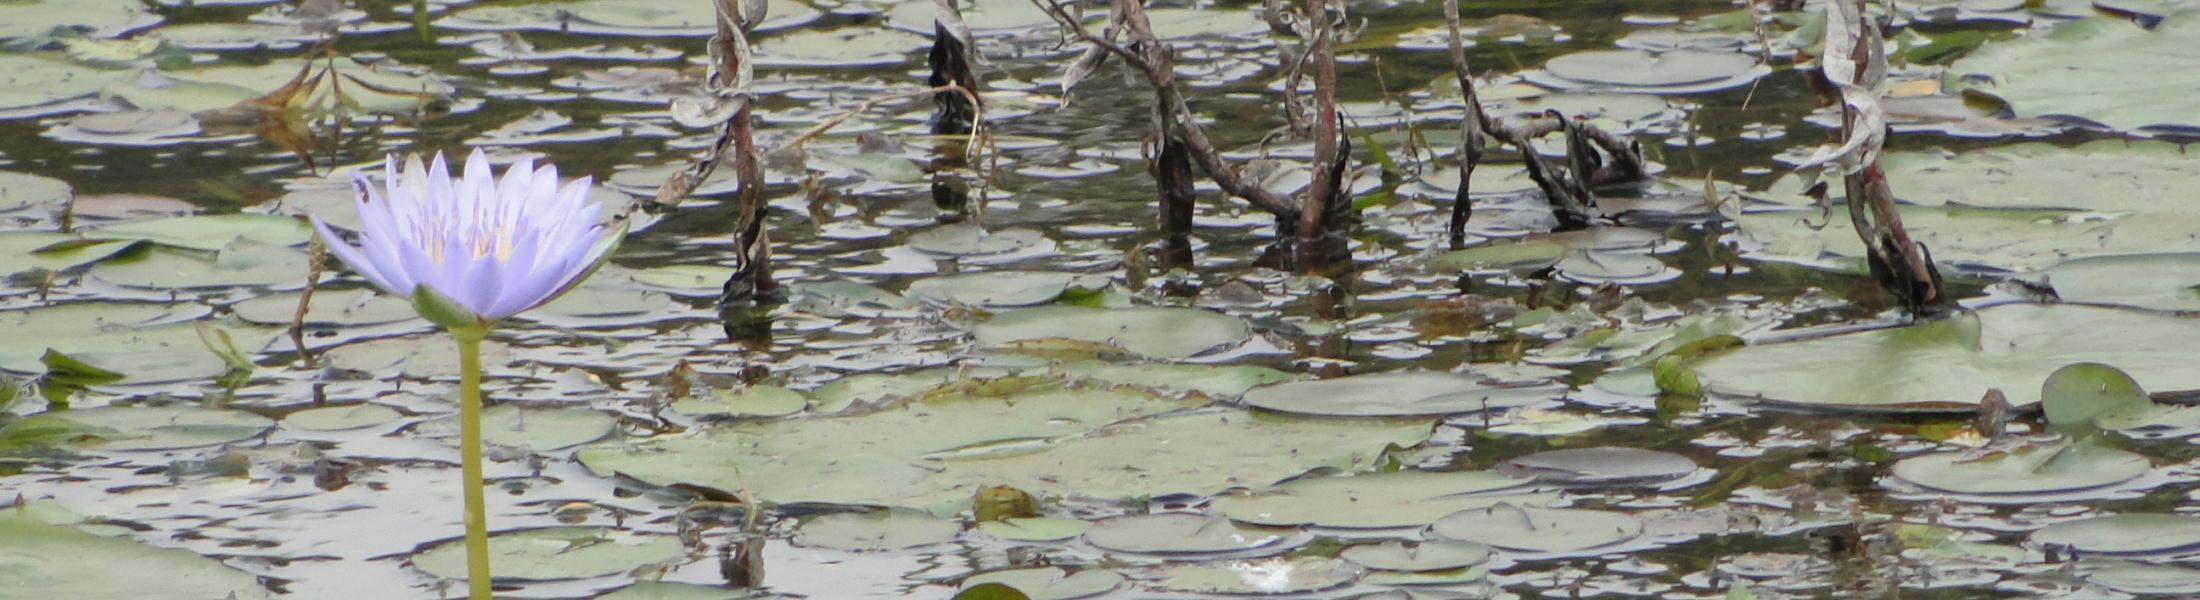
(469, 449)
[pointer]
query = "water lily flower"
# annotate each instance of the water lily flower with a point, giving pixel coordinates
(490, 248)
(470, 252)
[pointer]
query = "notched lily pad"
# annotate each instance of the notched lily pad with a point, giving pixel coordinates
(47, 560)
(880, 530)
(1404, 393)
(1600, 466)
(554, 553)
(1542, 530)
(2126, 534)
(1378, 500)
(166, 427)
(1185, 533)
(1051, 583)
(1169, 333)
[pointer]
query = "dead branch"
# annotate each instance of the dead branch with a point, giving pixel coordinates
(1855, 62)
(1470, 129)
(953, 59)
(1155, 60)
(1326, 189)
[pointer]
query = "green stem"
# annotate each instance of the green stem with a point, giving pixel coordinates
(469, 449)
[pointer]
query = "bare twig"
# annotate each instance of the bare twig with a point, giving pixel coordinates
(1154, 60)
(1327, 184)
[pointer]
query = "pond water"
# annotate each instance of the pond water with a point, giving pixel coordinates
(1705, 397)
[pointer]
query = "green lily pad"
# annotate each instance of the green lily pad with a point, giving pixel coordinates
(2079, 393)
(166, 427)
(422, 357)
(22, 251)
(1636, 68)
(1947, 365)
(845, 47)
(2032, 469)
(753, 401)
(2147, 176)
(1397, 394)
(1437, 555)
(1599, 466)
(1378, 500)
(28, 81)
(2126, 534)
(2133, 577)
(983, 17)
(1273, 576)
(96, 18)
(2156, 281)
(969, 239)
(1533, 529)
(1168, 333)
(1987, 239)
(2102, 69)
(23, 190)
(536, 430)
(1220, 381)
(337, 308)
(127, 367)
(1035, 529)
(1182, 533)
(658, 590)
(242, 263)
(210, 232)
(995, 289)
(1051, 583)
(686, 280)
(382, 88)
(45, 560)
(554, 553)
(880, 530)
(338, 418)
(1082, 443)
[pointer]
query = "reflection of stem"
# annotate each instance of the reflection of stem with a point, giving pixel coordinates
(469, 449)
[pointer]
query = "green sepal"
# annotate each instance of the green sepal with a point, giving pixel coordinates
(442, 310)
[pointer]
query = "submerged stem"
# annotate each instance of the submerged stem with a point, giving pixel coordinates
(469, 449)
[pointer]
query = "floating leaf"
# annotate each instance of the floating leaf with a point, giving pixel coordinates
(166, 427)
(1404, 393)
(536, 430)
(1435, 555)
(2031, 469)
(554, 553)
(1181, 533)
(1378, 500)
(1600, 466)
(1533, 529)
(2126, 534)
(1035, 529)
(1258, 577)
(890, 529)
(47, 560)
(1947, 365)
(994, 289)
(752, 401)
(2156, 281)
(1147, 331)
(2101, 69)
(209, 232)
(1050, 583)
(338, 418)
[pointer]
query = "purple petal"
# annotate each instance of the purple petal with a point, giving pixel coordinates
(352, 257)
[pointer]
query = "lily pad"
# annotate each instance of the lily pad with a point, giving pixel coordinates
(1258, 577)
(1051, 583)
(2126, 534)
(1035, 529)
(22, 251)
(1058, 443)
(241, 263)
(1435, 555)
(46, 560)
(536, 430)
(31, 81)
(1378, 500)
(1533, 529)
(1396, 394)
(889, 529)
(1182, 533)
(554, 553)
(1221, 381)
(93, 18)
(23, 190)
(337, 418)
(968, 239)
(845, 47)
(753, 401)
(337, 308)
(2032, 469)
(1947, 365)
(109, 328)
(994, 289)
(2080, 393)
(1639, 71)
(166, 427)
(2156, 281)
(1600, 466)
(2147, 176)
(2105, 70)
(1154, 332)
(210, 232)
